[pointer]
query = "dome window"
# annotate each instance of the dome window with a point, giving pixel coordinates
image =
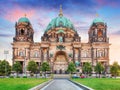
(60, 23)
(22, 32)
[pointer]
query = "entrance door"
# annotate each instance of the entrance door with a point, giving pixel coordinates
(60, 63)
(60, 71)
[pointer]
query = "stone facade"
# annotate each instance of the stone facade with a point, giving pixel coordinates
(61, 44)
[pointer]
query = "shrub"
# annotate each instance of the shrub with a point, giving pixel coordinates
(18, 77)
(24, 76)
(103, 77)
(11, 76)
(31, 74)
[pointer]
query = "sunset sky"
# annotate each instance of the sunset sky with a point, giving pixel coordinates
(41, 12)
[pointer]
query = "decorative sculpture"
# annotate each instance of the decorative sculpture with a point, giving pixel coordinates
(60, 39)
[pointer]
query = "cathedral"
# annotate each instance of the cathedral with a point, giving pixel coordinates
(61, 44)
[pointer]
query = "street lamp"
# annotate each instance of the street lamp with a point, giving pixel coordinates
(6, 52)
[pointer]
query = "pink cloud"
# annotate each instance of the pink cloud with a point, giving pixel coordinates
(16, 13)
(107, 2)
(114, 48)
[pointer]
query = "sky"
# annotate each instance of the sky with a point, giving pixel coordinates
(40, 12)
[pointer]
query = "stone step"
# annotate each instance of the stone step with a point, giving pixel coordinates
(61, 76)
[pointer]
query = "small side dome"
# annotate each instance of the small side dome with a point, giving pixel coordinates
(98, 20)
(23, 19)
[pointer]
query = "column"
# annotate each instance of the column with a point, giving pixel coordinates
(48, 53)
(96, 56)
(108, 52)
(42, 55)
(16, 51)
(39, 59)
(108, 55)
(92, 55)
(28, 53)
(73, 55)
(104, 53)
(79, 55)
(13, 52)
(13, 56)
(25, 52)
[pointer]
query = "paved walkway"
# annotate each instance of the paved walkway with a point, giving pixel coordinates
(61, 84)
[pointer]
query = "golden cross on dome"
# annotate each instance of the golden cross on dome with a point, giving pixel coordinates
(25, 15)
(61, 13)
(97, 15)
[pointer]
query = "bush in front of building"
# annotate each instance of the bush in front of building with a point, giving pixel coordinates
(99, 68)
(45, 67)
(5, 68)
(32, 67)
(17, 67)
(114, 69)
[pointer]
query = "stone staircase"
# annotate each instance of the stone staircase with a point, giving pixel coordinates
(61, 76)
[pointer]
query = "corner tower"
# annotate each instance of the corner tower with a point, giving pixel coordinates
(98, 31)
(99, 43)
(22, 41)
(24, 31)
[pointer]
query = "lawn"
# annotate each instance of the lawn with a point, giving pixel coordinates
(19, 83)
(100, 83)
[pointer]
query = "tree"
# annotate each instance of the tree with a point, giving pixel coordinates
(87, 68)
(99, 68)
(5, 68)
(32, 67)
(45, 67)
(114, 69)
(17, 67)
(71, 68)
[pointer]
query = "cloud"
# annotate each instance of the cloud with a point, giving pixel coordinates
(116, 33)
(6, 35)
(114, 48)
(112, 3)
(14, 14)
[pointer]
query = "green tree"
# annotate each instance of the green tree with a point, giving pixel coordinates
(45, 67)
(71, 68)
(99, 68)
(5, 68)
(115, 69)
(32, 67)
(17, 67)
(87, 68)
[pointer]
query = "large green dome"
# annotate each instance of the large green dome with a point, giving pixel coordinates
(98, 20)
(60, 21)
(23, 19)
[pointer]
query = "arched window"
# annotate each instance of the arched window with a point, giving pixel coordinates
(36, 54)
(21, 53)
(100, 53)
(84, 53)
(100, 33)
(22, 32)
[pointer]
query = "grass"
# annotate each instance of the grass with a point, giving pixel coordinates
(100, 83)
(19, 83)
